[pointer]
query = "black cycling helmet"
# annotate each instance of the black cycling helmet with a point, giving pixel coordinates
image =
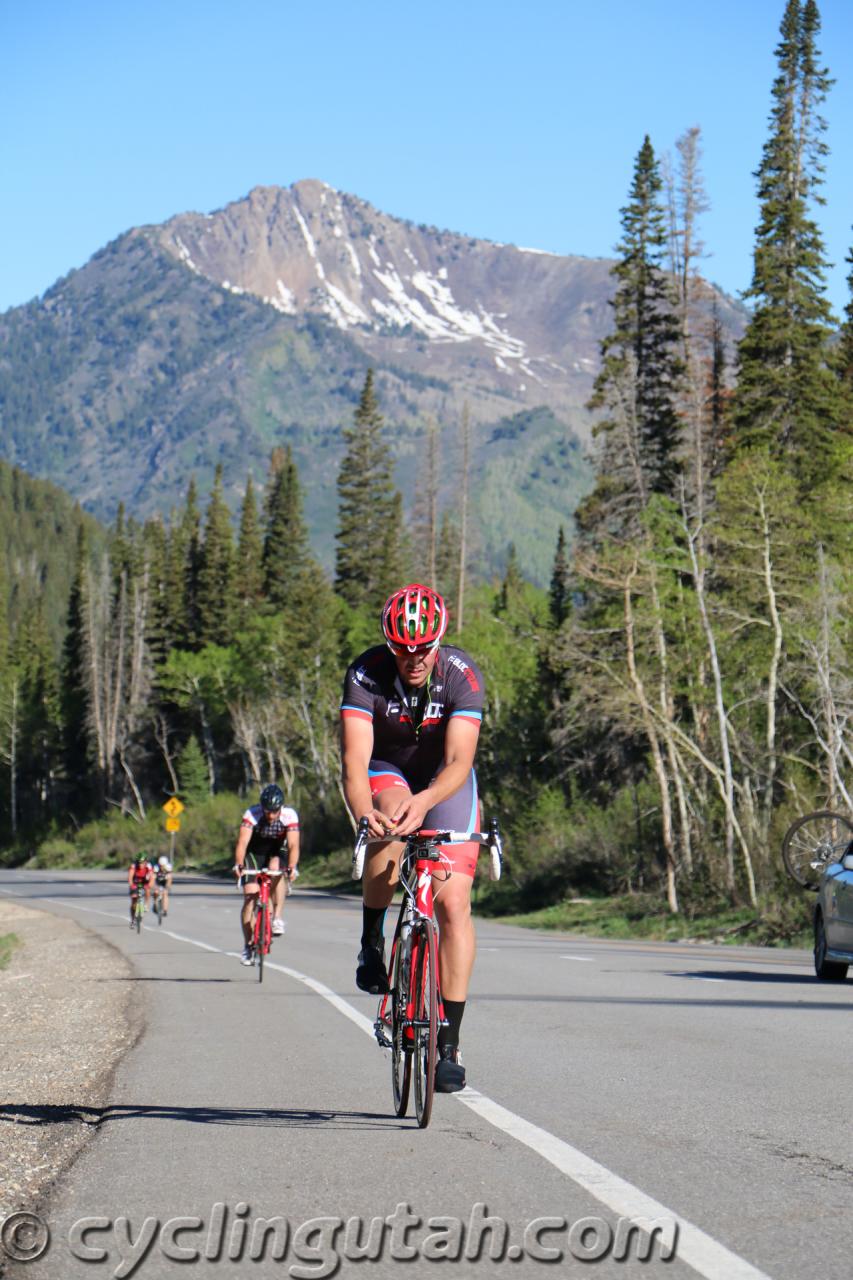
(272, 798)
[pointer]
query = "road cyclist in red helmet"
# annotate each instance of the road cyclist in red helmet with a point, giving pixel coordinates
(410, 720)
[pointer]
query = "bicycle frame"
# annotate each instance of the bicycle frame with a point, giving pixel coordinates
(137, 906)
(262, 922)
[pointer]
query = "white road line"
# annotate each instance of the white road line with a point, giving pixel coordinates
(697, 977)
(698, 1250)
(705, 1255)
(582, 959)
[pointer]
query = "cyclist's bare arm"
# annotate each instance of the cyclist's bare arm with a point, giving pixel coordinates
(356, 751)
(292, 850)
(460, 747)
(243, 838)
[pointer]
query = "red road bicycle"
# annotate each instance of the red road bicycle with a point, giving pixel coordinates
(411, 1011)
(262, 918)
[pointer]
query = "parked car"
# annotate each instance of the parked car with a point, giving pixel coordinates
(833, 920)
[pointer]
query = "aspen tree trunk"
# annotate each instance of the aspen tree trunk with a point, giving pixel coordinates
(654, 744)
(667, 711)
(161, 737)
(773, 670)
(722, 727)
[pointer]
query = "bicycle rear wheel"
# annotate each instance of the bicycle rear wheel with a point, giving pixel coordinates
(426, 1020)
(812, 843)
(401, 1048)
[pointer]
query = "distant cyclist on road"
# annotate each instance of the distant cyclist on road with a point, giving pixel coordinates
(410, 720)
(265, 829)
(163, 880)
(140, 876)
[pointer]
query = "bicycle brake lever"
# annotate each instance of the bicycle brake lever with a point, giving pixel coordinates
(495, 850)
(360, 848)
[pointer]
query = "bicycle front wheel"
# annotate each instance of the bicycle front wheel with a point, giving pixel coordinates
(158, 907)
(426, 1020)
(261, 939)
(812, 843)
(138, 920)
(401, 1044)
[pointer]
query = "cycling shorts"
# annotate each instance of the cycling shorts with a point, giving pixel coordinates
(459, 812)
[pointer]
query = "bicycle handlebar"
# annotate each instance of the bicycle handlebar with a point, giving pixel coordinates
(262, 871)
(490, 838)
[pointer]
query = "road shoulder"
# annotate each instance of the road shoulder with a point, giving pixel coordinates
(67, 1017)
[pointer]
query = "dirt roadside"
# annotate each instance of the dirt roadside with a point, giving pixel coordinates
(66, 1019)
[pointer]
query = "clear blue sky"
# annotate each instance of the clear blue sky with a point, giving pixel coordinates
(516, 122)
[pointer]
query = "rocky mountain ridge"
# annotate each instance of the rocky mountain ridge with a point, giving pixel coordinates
(213, 338)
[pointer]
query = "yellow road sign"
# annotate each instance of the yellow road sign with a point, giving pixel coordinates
(173, 824)
(173, 807)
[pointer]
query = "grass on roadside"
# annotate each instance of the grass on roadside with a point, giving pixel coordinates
(644, 916)
(8, 942)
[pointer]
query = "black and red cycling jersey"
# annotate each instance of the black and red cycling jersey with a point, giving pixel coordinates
(268, 834)
(410, 724)
(141, 872)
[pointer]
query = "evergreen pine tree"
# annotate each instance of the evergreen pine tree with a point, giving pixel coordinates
(845, 346)
(156, 558)
(187, 550)
(447, 561)
(559, 598)
(74, 698)
(638, 383)
(368, 509)
(394, 563)
(286, 552)
(513, 583)
(249, 571)
(787, 398)
(41, 739)
(216, 571)
(193, 773)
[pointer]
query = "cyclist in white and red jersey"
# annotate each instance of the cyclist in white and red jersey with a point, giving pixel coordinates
(266, 829)
(410, 720)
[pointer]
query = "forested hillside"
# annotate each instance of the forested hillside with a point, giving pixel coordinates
(655, 718)
(39, 529)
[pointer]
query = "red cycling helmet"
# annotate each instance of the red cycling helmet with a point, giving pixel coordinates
(413, 617)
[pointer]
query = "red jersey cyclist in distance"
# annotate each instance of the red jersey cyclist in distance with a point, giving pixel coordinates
(410, 720)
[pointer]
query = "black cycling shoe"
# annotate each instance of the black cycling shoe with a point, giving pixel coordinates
(371, 974)
(449, 1071)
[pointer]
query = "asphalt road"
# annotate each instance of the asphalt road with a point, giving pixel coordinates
(700, 1087)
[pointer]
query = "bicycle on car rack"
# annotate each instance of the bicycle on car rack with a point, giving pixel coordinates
(411, 1011)
(262, 916)
(813, 842)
